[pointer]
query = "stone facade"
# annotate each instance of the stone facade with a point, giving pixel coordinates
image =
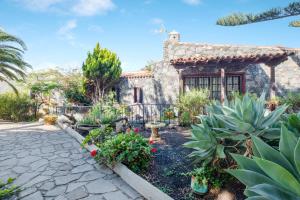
(164, 85)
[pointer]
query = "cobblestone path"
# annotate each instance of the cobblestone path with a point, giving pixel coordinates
(49, 164)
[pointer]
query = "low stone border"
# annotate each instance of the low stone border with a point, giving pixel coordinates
(142, 186)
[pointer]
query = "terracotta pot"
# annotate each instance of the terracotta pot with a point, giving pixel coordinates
(198, 188)
(50, 119)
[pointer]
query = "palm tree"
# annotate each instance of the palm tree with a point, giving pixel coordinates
(12, 65)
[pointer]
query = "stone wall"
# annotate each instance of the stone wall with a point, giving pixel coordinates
(164, 86)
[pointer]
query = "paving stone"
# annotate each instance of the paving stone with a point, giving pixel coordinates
(73, 186)
(61, 173)
(35, 196)
(48, 172)
(38, 164)
(100, 186)
(94, 197)
(104, 169)
(47, 186)
(82, 168)
(79, 193)
(60, 197)
(28, 159)
(118, 195)
(27, 192)
(56, 191)
(61, 180)
(48, 164)
(24, 178)
(91, 161)
(20, 169)
(78, 162)
(36, 180)
(91, 175)
(65, 167)
(122, 185)
(9, 162)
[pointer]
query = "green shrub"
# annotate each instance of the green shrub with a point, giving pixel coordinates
(16, 108)
(213, 176)
(271, 173)
(104, 112)
(192, 102)
(97, 136)
(293, 100)
(130, 149)
(7, 189)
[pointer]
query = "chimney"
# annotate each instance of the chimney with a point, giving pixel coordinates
(174, 36)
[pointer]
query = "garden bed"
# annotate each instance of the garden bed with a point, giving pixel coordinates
(171, 160)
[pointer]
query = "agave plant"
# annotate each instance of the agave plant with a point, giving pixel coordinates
(270, 173)
(248, 116)
(292, 122)
(228, 128)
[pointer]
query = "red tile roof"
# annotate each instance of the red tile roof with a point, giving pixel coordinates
(137, 74)
(245, 58)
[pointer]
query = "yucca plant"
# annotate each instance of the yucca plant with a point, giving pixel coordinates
(271, 173)
(228, 128)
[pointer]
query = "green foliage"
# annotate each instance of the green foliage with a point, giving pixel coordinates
(7, 189)
(293, 100)
(274, 13)
(130, 149)
(104, 112)
(271, 173)
(16, 107)
(97, 136)
(292, 122)
(12, 65)
(41, 91)
(103, 68)
(212, 176)
(229, 128)
(192, 102)
(73, 89)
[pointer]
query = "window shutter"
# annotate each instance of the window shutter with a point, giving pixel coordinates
(141, 95)
(134, 95)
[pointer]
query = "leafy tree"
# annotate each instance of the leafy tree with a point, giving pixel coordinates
(102, 68)
(41, 92)
(12, 65)
(236, 19)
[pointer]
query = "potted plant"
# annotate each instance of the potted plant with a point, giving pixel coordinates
(199, 182)
(50, 119)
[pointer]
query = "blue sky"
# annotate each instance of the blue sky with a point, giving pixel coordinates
(59, 33)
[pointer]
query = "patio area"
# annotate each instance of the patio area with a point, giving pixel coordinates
(49, 164)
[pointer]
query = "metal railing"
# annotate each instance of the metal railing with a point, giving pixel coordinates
(60, 110)
(135, 113)
(143, 113)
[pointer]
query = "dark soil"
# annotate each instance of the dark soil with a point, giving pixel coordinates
(171, 160)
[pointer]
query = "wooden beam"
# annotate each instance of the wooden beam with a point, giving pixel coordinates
(181, 86)
(272, 86)
(222, 99)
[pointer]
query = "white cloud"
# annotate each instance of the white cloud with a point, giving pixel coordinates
(66, 30)
(39, 5)
(93, 7)
(192, 2)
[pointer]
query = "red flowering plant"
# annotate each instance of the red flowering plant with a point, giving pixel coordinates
(131, 149)
(93, 153)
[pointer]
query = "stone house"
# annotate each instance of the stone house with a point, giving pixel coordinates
(220, 68)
